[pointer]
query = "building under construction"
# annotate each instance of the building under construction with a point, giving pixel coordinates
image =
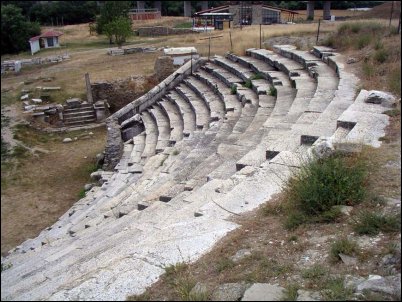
(243, 13)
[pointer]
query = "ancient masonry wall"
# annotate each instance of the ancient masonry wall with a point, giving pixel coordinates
(163, 31)
(114, 144)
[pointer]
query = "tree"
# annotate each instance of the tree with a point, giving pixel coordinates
(110, 11)
(15, 30)
(120, 29)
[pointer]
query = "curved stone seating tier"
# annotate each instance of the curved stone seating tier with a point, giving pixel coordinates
(216, 105)
(205, 154)
(152, 132)
(163, 123)
(187, 113)
(175, 118)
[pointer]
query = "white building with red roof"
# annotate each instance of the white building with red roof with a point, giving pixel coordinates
(48, 39)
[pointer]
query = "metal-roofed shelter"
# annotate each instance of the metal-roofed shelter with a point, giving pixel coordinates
(244, 13)
(49, 39)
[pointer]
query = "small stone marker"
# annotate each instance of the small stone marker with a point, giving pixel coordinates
(67, 140)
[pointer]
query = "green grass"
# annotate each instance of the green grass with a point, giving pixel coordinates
(312, 194)
(248, 84)
(81, 194)
(394, 81)
(184, 25)
(257, 76)
(342, 246)
(291, 292)
(371, 223)
(381, 55)
(315, 272)
(336, 291)
(392, 112)
(5, 266)
(224, 264)
(233, 89)
(363, 41)
(273, 91)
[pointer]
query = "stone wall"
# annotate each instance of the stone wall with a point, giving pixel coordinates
(163, 31)
(121, 92)
(114, 144)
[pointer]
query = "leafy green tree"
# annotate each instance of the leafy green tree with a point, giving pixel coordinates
(110, 11)
(15, 30)
(120, 29)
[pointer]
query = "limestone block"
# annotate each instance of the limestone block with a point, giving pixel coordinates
(264, 292)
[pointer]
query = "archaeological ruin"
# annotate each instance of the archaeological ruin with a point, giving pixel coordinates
(214, 139)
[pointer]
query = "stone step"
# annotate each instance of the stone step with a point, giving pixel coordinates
(222, 91)
(216, 105)
(79, 113)
(202, 112)
(81, 121)
(163, 123)
(151, 130)
(187, 112)
(79, 117)
(175, 118)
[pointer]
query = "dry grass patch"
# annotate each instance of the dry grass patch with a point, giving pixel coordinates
(38, 189)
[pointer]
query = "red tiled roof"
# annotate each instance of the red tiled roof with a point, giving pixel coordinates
(47, 34)
(34, 38)
(51, 34)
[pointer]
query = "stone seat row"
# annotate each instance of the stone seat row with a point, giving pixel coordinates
(179, 205)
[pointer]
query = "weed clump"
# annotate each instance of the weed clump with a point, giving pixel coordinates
(312, 194)
(371, 223)
(342, 246)
(233, 89)
(248, 84)
(273, 91)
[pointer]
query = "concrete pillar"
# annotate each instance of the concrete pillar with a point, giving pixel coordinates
(140, 4)
(327, 10)
(89, 90)
(204, 5)
(310, 10)
(187, 8)
(158, 5)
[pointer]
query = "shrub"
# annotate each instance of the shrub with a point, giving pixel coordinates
(233, 89)
(363, 41)
(224, 264)
(257, 76)
(314, 272)
(273, 91)
(291, 293)
(342, 246)
(381, 55)
(248, 84)
(370, 223)
(81, 194)
(336, 291)
(324, 183)
(368, 69)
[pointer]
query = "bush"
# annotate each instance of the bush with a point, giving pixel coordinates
(314, 272)
(342, 246)
(233, 89)
(381, 55)
(257, 76)
(363, 41)
(273, 91)
(324, 183)
(248, 84)
(369, 223)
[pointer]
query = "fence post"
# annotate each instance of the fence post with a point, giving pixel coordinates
(392, 11)
(318, 31)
